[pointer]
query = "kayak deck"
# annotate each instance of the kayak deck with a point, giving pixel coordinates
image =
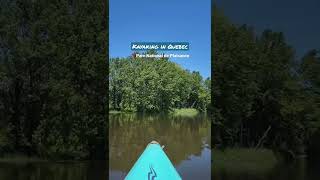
(153, 164)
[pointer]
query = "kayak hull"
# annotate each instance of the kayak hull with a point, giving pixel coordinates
(153, 164)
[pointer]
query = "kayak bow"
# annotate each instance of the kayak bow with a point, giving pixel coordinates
(153, 164)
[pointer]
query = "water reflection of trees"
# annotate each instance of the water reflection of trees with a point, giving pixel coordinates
(130, 133)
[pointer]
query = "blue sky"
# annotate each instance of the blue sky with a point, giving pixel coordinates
(163, 21)
(299, 20)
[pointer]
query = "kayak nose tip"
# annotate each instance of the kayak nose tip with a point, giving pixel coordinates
(154, 142)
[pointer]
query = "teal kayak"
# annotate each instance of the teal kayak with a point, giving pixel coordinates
(153, 164)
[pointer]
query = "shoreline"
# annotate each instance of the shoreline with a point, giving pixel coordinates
(184, 112)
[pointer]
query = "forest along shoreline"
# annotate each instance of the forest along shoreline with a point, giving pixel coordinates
(265, 100)
(156, 85)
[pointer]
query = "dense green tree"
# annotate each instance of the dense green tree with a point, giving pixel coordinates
(260, 97)
(53, 71)
(155, 85)
(310, 68)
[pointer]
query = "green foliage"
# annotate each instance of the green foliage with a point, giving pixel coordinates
(53, 77)
(259, 97)
(155, 85)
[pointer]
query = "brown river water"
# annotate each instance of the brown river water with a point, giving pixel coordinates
(187, 144)
(186, 140)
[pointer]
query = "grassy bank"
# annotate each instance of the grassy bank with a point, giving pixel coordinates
(20, 159)
(185, 112)
(23, 159)
(188, 112)
(120, 112)
(115, 112)
(243, 160)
